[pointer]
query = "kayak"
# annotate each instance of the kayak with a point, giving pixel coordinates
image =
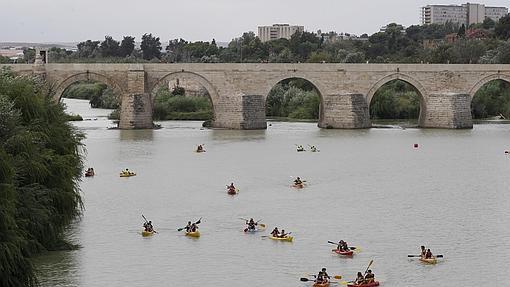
(432, 260)
(300, 150)
(88, 174)
(232, 192)
(258, 229)
(286, 238)
(123, 174)
(195, 234)
(344, 253)
(373, 284)
(325, 284)
(199, 151)
(298, 186)
(147, 233)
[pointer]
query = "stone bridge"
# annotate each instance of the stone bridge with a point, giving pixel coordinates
(238, 91)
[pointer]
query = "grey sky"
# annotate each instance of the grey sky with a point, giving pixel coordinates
(77, 20)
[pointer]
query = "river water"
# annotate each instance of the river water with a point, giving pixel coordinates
(371, 188)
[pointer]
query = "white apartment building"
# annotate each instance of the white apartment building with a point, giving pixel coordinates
(466, 14)
(278, 31)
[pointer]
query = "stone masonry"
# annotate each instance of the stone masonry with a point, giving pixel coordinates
(238, 91)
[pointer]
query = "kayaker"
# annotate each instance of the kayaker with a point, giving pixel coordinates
(251, 224)
(300, 148)
(322, 277)
(275, 232)
(423, 251)
(231, 187)
(200, 148)
(428, 255)
(345, 247)
(148, 226)
(313, 148)
(283, 234)
(360, 280)
(340, 245)
(298, 181)
(370, 277)
(194, 227)
(188, 227)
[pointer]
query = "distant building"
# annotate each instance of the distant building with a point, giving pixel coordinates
(401, 28)
(278, 31)
(466, 14)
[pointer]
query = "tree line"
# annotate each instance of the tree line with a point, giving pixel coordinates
(487, 42)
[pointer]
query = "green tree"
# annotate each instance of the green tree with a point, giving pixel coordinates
(88, 49)
(109, 47)
(502, 29)
(127, 46)
(40, 166)
(151, 47)
(462, 31)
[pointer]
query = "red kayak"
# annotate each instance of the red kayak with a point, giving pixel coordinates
(373, 284)
(344, 253)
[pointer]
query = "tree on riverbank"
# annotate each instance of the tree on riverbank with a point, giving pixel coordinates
(98, 94)
(40, 165)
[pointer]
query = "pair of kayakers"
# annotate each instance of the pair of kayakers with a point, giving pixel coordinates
(276, 233)
(368, 278)
(191, 227)
(127, 172)
(426, 253)
(342, 246)
(148, 226)
(90, 172)
(300, 148)
(252, 225)
(313, 148)
(298, 181)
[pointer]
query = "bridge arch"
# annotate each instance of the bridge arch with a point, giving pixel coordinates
(317, 86)
(87, 76)
(486, 80)
(420, 90)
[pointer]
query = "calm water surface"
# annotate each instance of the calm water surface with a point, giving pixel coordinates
(368, 187)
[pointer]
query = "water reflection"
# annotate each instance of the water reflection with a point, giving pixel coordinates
(237, 135)
(136, 135)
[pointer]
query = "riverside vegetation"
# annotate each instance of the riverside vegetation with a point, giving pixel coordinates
(40, 166)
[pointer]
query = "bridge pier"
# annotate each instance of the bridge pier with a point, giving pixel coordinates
(347, 111)
(136, 109)
(240, 112)
(448, 111)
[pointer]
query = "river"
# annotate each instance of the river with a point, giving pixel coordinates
(371, 188)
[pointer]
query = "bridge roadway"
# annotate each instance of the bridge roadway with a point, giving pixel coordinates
(238, 91)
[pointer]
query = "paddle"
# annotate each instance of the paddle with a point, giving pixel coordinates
(437, 256)
(146, 221)
(350, 247)
(303, 279)
(368, 267)
(198, 222)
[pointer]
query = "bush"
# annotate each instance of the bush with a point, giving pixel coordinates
(176, 106)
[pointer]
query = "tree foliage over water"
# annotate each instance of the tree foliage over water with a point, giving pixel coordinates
(40, 166)
(176, 105)
(493, 99)
(98, 94)
(395, 100)
(294, 99)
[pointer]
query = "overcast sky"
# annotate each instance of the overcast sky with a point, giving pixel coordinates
(77, 20)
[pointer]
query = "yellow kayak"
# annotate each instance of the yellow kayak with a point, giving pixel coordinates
(432, 260)
(195, 234)
(147, 233)
(286, 238)
(125, 174)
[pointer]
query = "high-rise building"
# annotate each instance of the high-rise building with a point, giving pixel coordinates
(278, 31)
(466, 14)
